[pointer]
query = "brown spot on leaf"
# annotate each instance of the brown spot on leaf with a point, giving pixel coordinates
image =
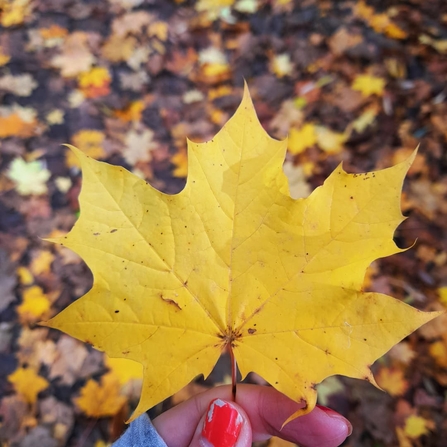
(114, 230)
(170, 301)
(251, 331)
(96, 234)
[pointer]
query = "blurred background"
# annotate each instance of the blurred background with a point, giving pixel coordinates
(126, 81)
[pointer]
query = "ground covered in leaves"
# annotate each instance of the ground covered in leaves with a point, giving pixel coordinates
(126, 81)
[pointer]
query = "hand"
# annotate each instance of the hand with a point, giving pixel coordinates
(210, 419)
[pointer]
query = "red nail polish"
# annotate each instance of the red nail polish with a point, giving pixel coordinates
(223, 424)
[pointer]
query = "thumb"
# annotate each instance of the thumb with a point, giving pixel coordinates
(225, 424)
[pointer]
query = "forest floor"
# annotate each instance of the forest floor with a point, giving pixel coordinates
(126, 81)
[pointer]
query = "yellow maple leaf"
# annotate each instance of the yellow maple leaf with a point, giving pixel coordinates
(369, 85)
(233, 262)
(416, 426)
(35, 304)
(101, 399)
(302, 139)
(28, 383)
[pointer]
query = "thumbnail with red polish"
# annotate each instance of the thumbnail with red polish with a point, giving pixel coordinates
(223, 424)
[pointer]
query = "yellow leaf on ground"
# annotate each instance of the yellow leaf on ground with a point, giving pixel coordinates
(14, 12)
(26, 278)
(95, 82)
(369, 85)
(180, 161)
(416, 426)
(365, 120)
(438, 350)
(42, 262)
(28, 383)
(302, 139)
(88, 141)
(101, 399)
(124, 369)
(442, 291)
(35, 304)
(282, 65)
(233, 262)
(392, 380)
(330, 141)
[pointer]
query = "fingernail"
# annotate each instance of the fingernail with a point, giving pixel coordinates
(333, 414)
(223, 424)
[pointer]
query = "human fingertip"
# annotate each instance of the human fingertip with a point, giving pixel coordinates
(337, 417)
(223, 424)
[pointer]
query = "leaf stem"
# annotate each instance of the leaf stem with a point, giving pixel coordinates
(233, 373)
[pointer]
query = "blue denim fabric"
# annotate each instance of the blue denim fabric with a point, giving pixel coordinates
(141, 433)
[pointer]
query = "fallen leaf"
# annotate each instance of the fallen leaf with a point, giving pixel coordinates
(101, 399)
(28, 383)
(91, 142)
(20, 85)
(41, 263)
(71, 355)
(330, 141)
(392, 380)
(180, 161)
(131, 113)
(234, 262)
(95, 82)
(282, 65)
(416, 426)
(402, 352)
(138, 146)
(35, 304)
(56, 116)
(366, 119)
(327, 388)
(30, 178)
(118, 49)
(213, 8)
(14, 12)
(438, 350)
(343, 40)
(369, 85)
(76, 57)
(302, 139)
(17, 121)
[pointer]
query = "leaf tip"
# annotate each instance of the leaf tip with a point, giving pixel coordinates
(309, 405)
